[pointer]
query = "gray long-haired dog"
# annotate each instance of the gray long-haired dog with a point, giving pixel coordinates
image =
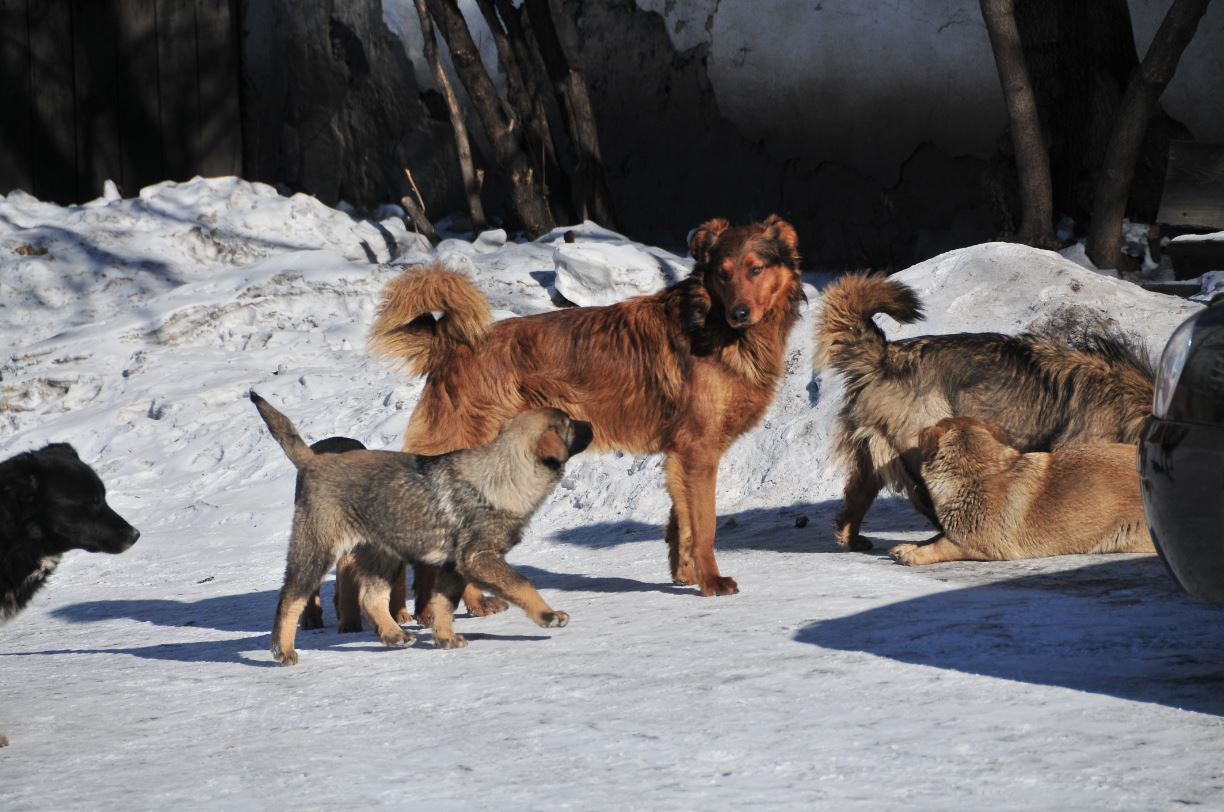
(460, 512)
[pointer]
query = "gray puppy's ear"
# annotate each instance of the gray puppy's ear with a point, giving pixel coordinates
(551, 449)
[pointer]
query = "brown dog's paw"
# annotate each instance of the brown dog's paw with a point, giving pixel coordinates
(402, 640)
(723, 585)
(554, 618)
(3, 740)
(349, 626)
(684, 574)
(450, 641)
(855, 543)
(289, 657)
(487, 605)
(905, 554)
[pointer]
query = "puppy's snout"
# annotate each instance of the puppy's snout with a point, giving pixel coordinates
(740, 313)
(581, 436)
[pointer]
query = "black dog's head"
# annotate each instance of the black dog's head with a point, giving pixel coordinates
(57, 503)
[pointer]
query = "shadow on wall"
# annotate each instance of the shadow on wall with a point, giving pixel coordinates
(675, 161)
(1120, 628)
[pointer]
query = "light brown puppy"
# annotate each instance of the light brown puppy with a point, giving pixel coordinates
(458, 512)
(998, 504)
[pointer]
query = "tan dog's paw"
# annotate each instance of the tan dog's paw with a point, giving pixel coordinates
(906, 554)
(487, 605)
(289, 657)
(723, 585)
(402, 640)
(554, 618)
(450, 641)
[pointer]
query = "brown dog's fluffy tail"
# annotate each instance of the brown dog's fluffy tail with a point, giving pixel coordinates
(283, 432)
(405, 328)
(847, 338)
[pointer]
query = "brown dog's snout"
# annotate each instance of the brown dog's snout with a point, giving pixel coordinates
(740, 313)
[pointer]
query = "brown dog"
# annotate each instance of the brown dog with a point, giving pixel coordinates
(997, 504)
(459, 512)
(682, 372)
(1045, 394)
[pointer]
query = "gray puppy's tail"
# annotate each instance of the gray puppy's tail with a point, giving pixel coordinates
(847, 339)
(283, 432)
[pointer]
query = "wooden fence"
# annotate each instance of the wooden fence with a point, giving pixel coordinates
(136, 91)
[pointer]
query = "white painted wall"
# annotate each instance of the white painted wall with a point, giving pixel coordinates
(864, 83)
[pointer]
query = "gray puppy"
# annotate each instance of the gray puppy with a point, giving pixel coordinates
(460, 512)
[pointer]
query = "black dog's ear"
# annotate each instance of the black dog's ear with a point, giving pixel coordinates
(62, 450)
(705, 237)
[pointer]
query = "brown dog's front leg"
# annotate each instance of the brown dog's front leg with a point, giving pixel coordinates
(861, 490)
(448, 586)
(699, 477)
(348, 597)
(478, 603)
(488, 569)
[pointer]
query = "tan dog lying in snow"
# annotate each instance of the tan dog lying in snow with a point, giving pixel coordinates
(997, 504)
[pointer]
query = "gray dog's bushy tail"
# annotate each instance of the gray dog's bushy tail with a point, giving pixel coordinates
(283, 432)
(405, 328)
(847, 338)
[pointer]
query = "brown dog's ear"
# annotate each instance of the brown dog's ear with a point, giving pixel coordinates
(705, 237)
(551, 449)
(782, 231)
(928, 440)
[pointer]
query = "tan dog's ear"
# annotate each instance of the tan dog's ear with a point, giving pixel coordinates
(998, 432)
(551, 449)
(705, 237)
(781, 231)
(928, 440)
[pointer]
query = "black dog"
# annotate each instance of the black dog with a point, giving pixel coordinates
(50, 503)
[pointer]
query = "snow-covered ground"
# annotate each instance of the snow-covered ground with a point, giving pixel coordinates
(134, 328)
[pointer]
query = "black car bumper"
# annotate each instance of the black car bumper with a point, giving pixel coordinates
(1181, 471)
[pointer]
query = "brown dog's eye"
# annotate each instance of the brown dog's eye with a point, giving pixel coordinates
(724, 276)
(756, 271)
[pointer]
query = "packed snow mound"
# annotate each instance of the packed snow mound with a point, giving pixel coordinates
(1009, 288)
(594, 274)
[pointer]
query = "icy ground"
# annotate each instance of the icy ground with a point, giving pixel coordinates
(134, 328)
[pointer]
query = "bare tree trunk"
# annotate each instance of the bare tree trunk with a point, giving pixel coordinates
(1032, 159)
(471, 183)
(504, 134)
(526, 100)
(1134, 115)
(592, 197)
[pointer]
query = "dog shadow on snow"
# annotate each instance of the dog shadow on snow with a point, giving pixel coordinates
(798, 528)
(1120, 627)
(249, 612)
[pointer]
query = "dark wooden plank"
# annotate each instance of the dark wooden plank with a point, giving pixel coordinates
(179, 88)
(95, 50)
(217, 54)
(53, 123)
(16, 160)
(139, 102)
(1194, 187)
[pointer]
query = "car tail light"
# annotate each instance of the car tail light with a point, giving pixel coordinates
(1172, 361)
